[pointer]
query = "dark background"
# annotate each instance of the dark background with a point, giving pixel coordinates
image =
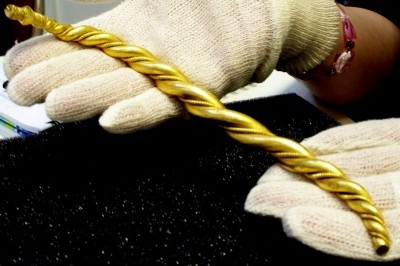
(387, 8)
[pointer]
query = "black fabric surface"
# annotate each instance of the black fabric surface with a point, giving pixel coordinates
(173, 195)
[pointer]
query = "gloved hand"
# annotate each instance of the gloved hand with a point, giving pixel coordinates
(367, 152)
(218, 45)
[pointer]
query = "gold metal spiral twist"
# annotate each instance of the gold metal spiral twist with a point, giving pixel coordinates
(199, 102)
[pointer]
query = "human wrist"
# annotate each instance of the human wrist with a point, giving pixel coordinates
(376, 54)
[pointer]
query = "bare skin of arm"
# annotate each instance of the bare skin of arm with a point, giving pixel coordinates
(377, 48)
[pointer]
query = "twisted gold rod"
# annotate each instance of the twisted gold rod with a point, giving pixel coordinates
(292, 156)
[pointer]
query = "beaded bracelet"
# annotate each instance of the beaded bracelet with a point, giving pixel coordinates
(343, 58)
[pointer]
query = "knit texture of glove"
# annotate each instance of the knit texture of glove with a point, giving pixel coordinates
(218, 45)
(368, 153)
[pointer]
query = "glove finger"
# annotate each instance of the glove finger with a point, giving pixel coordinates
(275, 198)
(354, 164)
(365, 162)
(144, 111)
(339, 233)
(34, 83)
(35, 50)
(370, 133)
(90, 97)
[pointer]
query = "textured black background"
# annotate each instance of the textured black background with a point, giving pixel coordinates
(173, 195)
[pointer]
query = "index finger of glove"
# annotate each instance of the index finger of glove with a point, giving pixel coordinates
(33, 51)
(89, 97)
(365, 134)
(34, 83)
(274, 198)
(143, 111)
(355, 164)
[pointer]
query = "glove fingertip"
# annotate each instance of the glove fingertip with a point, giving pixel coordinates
(260, 202)
(290, 224)
(112, 122)
(21, 96)
(125, 117)
(141, 112)
(252, 202)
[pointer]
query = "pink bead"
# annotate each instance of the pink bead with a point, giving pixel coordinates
(348, 28)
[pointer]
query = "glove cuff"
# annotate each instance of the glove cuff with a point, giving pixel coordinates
(310, 30)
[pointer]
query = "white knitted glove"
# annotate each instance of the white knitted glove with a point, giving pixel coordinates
(367, 152)
(218, 45)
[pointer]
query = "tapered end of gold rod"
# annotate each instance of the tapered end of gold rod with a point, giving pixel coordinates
(10, 12)
(20, 14)
(27, 16)
(168, 80)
